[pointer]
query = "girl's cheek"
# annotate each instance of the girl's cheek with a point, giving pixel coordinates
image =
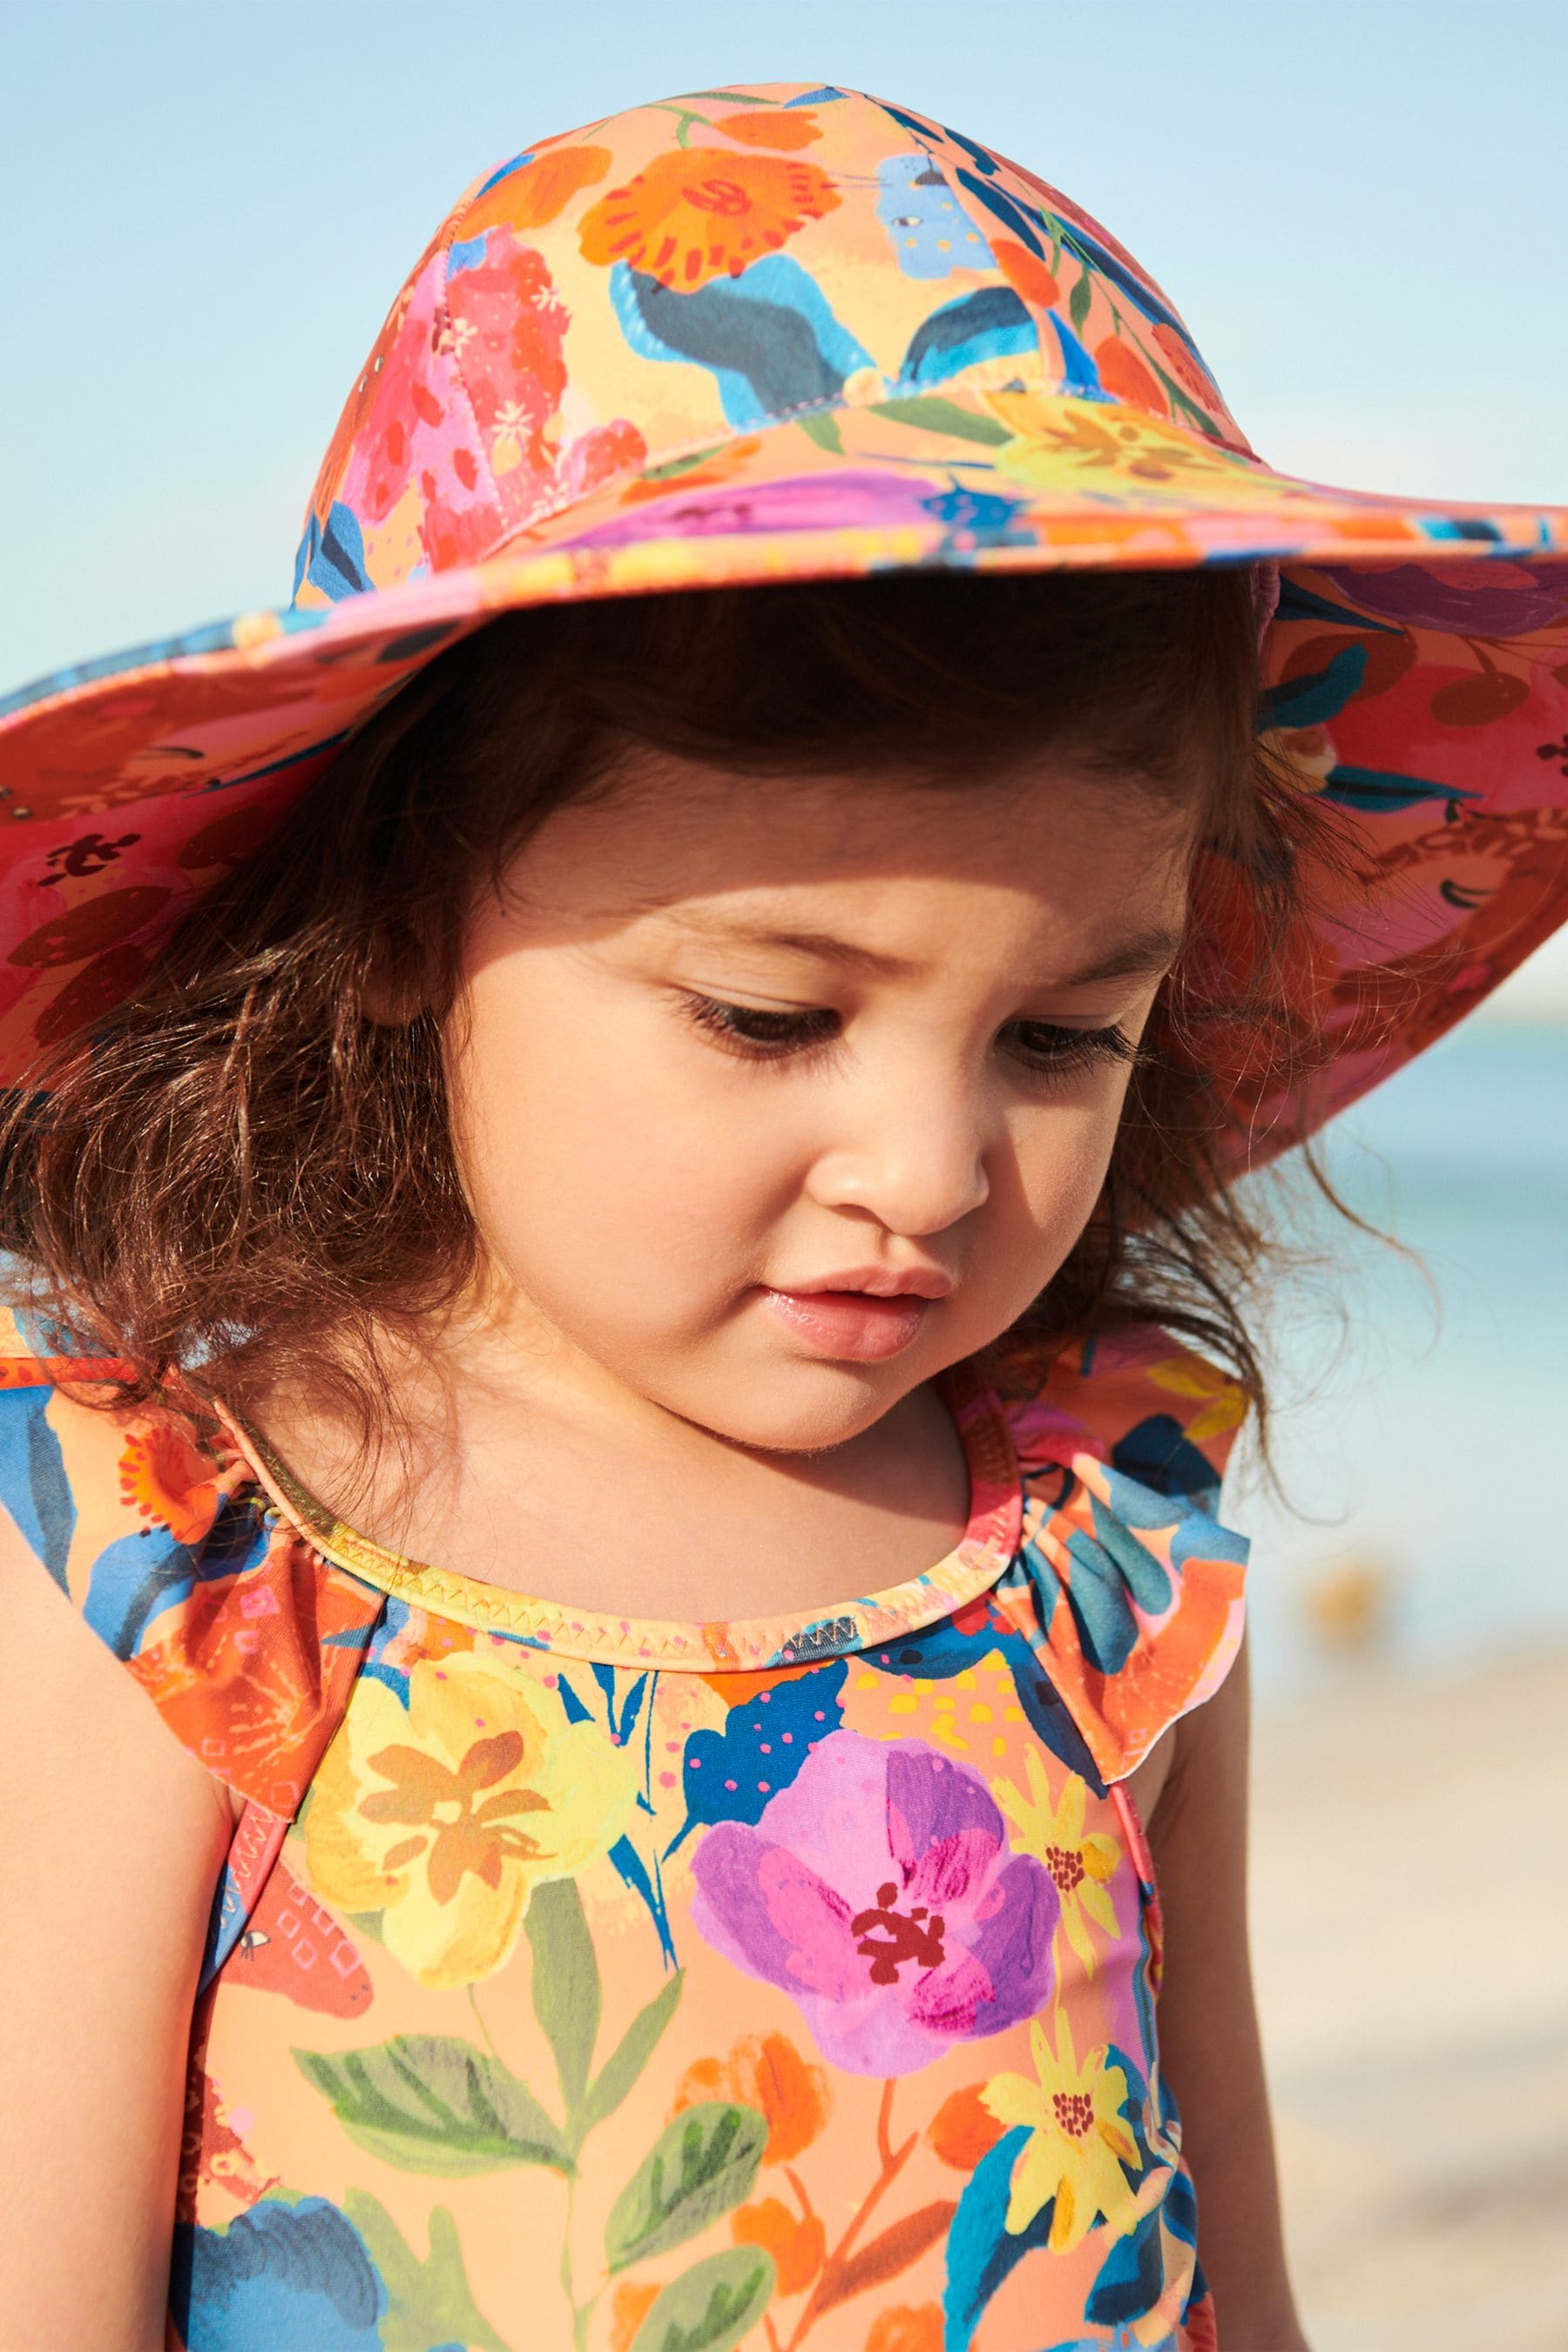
(1065, 1155)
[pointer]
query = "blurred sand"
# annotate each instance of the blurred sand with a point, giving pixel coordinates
(1410, 1929)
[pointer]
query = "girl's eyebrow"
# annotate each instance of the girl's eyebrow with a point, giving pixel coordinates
(1141, 955)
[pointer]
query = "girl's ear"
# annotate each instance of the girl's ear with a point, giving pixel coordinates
(394, 990)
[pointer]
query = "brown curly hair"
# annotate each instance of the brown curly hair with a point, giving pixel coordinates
(240, 1168)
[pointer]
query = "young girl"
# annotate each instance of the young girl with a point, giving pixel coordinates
(627, 1305)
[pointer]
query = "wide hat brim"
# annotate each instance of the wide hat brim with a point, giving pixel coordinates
(1417, 672)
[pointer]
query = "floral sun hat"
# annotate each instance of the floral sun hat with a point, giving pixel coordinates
(780, 332)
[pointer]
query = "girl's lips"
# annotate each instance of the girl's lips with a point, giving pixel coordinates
(850, 1324)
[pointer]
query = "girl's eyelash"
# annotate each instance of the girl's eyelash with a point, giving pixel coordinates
(758, 1035)
(1060, 1050)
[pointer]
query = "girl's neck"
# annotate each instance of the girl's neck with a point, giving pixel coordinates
(503, 1467)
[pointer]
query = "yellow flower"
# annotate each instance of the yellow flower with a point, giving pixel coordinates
(1079, 2139)
(1057, 439)
(1189, 1375)
(1079, 1865)
(446, 1816)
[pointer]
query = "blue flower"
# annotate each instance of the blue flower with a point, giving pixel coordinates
(282, 2274)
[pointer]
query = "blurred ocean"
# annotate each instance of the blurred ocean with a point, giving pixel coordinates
(1422, 1445)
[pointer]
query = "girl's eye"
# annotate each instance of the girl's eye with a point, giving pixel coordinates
(1061, 1053)
(758, 1035)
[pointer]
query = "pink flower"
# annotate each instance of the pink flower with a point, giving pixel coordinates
(879, 1890)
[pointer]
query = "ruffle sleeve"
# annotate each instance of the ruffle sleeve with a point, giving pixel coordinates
(246, 1641)
(1125, 1584)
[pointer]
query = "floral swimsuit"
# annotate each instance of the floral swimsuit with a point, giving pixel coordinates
(586, 1984)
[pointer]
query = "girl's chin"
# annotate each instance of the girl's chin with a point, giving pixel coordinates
(802, 1404)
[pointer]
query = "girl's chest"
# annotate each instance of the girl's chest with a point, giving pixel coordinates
(611, 2008)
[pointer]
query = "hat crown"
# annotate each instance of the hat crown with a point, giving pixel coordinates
(604, 317)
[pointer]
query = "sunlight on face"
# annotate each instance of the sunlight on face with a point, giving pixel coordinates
(772, 1098)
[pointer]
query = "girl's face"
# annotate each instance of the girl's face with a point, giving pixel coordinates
(772, 1098)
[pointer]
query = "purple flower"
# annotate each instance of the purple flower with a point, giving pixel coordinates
(1478, 596)
(879, 1891)
(799, 502)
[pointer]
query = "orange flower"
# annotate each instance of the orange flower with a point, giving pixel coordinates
(169, 1482)
(695, 213)
(1125, 376)
(632, 2304)
(906, 2329)
(799, 2246)
(764, 127)
(1026, 273)
(536, 192)
(1186, 370)
(764, 2071)
(963, 2129)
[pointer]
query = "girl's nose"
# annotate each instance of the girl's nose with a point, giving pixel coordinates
(913, 1157)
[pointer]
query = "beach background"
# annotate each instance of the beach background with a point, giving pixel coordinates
(1409, 1606)
(205, 206)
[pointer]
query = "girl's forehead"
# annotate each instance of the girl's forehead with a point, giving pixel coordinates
(676, 830)
(876, 867)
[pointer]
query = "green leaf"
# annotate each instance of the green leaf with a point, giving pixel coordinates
(700, 2165)
(709, 2307)
(566, 1995)
(426, 2302)
(1183, 404)
(673, 468)
(824, 430)
(630, 2055)
(1080, 297)
(934, 414)
(430, 2105)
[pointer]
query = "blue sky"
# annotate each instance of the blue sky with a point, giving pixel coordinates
(205, 207)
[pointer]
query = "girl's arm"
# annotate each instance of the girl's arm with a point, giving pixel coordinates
(1209, 2045)
(110, 1842)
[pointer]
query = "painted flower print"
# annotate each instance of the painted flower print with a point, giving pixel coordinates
(767, 126)
(696, 213)
(879, 1891)
(766, 2072)
(1082, 1865)
(446, 1815)
(280, 2273)
(1053, 440)
(1078, 2140)
(170, 1482)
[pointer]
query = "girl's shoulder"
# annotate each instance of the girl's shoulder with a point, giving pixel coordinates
(153, 1524)
(1126, 1583)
